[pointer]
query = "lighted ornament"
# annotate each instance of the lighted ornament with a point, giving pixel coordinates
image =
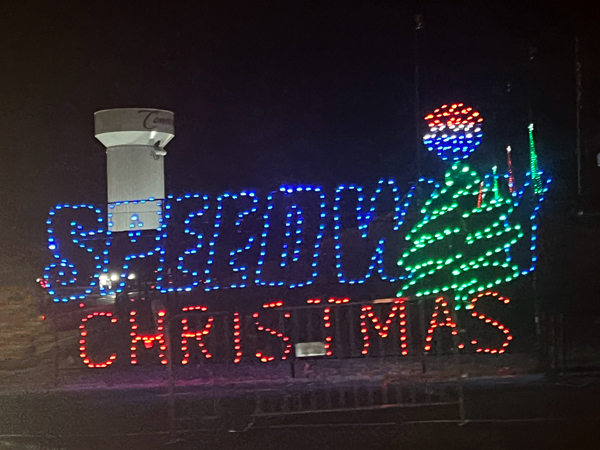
(463, 242)
(454, 131)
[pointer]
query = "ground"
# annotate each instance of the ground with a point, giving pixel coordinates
(518, 411)
(52, 402)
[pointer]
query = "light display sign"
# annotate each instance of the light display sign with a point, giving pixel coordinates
(469, 232)
(200, 335)
(458, 239)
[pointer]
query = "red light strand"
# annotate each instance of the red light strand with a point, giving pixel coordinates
(327, 319)
(480, 195)
(492, 322)
(197, 335)
(441, 305)
(237, 341)
(82, 342)
(327, 324)
(148, 339)
(274, 332)
(511, 179)
(368, 314)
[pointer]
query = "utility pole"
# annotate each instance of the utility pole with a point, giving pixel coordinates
(534, 287)
(578, 116)
(419, 24)
(532, 52)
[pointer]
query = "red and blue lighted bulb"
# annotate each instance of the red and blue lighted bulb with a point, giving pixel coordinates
(454, 131)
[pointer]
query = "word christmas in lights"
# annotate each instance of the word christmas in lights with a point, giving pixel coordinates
(195, 339)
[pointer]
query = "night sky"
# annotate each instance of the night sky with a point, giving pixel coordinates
(271, 92)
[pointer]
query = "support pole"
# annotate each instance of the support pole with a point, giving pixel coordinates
(418, 26)
(422, 333)
(170, 383)
(578, 116)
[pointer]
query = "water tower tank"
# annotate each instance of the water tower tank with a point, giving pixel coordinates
(135, 140)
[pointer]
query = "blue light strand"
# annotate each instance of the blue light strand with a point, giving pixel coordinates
(62, 291)
(161, 282)
(364, 219)
(234, 254)
(293, 212)
(299, 227)
(66, 268)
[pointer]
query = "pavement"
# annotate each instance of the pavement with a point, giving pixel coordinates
(497, 412)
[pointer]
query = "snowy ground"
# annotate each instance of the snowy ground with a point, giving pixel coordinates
(510, 412)
(46, 376)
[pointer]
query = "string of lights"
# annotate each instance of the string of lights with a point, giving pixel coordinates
(454, 131)
(464, 241)
(285, 339)
(148, 339)
(536, 179)
(367, 314)
(196, 325)
(511, 178)
(198, 335)
(285, 194)
(364, 218)
(82, 341)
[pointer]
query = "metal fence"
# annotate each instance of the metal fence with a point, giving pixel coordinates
(229, 369)
(402, 329)
(419, 333)
(571, 342)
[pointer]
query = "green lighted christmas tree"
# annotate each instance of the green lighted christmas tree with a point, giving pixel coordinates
(469, 226)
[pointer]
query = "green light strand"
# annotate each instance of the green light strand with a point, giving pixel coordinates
(533, 159)
(496, 190)
(461, 245)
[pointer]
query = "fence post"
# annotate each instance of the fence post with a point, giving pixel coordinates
(422, 333)
(170, 381)
(563, 344)
(55, 371)
(458, 362)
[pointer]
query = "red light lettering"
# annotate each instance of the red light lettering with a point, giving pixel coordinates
(82, 342)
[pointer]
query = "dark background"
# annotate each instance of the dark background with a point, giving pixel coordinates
(316, 92)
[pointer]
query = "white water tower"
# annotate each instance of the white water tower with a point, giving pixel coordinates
(135, 140)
